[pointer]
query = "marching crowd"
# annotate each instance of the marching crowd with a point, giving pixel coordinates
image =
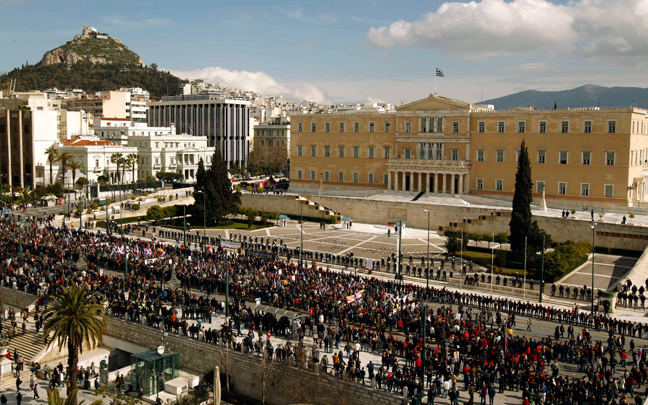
(466, 335)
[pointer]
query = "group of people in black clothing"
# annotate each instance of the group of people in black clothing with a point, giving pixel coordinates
(466, 332)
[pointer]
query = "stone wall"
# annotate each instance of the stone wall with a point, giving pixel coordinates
(608, 235)
(284, 204)
(284, 385)
(15, 298)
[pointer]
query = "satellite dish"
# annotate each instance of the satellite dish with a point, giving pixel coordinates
(160, 350)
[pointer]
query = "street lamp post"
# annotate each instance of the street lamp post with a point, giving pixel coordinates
(399, 270)
(204, 220)
(227, 282)
(593, 248)
(301, 231)
(184, 225)
(525, 271)
(126, 262)
(492, 262)
(427, 259)
(461, 261)
(541, 292)
(423, 346)
(20, 243)
(121, 221)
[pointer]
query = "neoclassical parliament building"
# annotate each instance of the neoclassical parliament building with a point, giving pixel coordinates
(594, 157)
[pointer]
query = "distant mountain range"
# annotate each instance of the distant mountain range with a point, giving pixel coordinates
(589, 95)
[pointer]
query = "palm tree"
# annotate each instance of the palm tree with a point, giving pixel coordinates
(134, 158)
(64, 159)
(52, 155)
(74, 166)
(74, 320)
(125, 165)
(54, 398)
(117, 158)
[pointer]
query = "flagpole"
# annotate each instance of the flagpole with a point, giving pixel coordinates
(435, 76)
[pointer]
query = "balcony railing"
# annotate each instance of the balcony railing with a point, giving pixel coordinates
(429, 164)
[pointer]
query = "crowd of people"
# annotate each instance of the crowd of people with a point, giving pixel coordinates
(466, 333)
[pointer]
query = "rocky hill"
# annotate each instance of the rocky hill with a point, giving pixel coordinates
(585, 96)
(93, 62)
(93, 47)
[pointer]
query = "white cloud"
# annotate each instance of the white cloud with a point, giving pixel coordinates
(486, 28)
(259, 82)
(482, 29)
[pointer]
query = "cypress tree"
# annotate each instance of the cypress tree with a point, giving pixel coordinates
(521, 221)
(197, 208)
(220, 200)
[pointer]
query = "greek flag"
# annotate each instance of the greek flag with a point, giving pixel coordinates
(439, 72)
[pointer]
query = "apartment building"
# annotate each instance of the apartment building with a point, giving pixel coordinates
(271, 144)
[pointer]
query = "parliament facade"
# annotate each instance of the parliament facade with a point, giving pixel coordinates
(582, 157)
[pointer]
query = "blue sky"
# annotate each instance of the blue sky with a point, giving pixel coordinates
(341, 51)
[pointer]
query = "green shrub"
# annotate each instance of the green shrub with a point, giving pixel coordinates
(145, 194)
(135, 207)
(259, 189)
(454, 242)
(133, 197)
(94, 206)
(154, 213)
(500, 258)
(170, 211)
(250, 215)
(565, 258)
(160, 199)
(171, 197)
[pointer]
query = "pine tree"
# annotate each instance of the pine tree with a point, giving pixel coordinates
(521, 220)
(220, 200)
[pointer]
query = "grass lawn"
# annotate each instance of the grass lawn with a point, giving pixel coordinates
(129, 220)
(484, 259)
(234, 224)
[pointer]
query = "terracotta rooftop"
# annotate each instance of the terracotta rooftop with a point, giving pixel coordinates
(76, 141)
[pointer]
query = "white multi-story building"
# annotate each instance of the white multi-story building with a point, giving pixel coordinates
(161, 149)
(137, 92)
(120, 129)
(170, 152)
(95, 156)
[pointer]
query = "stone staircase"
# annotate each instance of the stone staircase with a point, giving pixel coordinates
(310, 205)
(28, 345)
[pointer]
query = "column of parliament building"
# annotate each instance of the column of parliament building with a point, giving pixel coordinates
(581, 157)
